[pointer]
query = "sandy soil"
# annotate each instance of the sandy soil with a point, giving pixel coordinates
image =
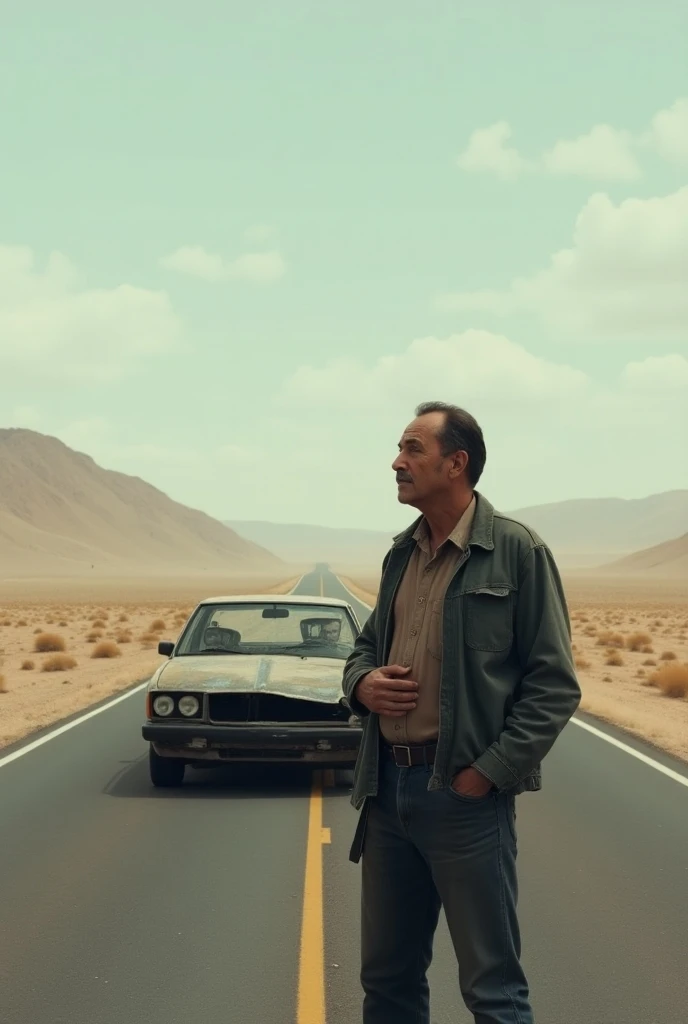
(32, 698)
(608, 615)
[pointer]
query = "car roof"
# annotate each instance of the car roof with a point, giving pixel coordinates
(330, 602)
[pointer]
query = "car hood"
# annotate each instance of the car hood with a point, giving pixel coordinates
(303, 678)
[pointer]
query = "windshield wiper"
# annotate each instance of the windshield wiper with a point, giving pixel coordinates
(218, 650)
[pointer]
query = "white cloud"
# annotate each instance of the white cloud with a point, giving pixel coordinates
(544, 421)
(603, 153)
(488, 150)
(56, 326)
(624, 276)
(194, 260)
(669, 133)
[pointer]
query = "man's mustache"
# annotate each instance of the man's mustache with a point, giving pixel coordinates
(404, 478)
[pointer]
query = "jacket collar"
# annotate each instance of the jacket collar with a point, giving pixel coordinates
(481, 528)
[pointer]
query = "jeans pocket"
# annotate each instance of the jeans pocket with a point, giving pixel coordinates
(464, 798)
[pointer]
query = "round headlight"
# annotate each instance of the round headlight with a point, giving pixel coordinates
(188, 705)
(163, 705)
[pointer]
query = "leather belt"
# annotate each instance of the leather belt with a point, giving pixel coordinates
(405, 756)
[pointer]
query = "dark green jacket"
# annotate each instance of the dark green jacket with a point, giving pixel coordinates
(508, 683)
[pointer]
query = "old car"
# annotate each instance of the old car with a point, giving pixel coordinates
(254, 678)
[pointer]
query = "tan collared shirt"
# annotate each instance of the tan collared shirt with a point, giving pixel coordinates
(417, 637)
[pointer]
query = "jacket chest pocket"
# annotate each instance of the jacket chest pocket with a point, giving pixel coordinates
(488, 624)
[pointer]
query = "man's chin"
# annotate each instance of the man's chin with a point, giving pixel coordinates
(404, 494)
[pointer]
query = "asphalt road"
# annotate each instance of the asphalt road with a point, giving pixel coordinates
(120, 904)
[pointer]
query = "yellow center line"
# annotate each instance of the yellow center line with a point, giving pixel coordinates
(311, 993)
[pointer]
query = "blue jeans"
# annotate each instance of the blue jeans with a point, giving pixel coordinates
(423, 851)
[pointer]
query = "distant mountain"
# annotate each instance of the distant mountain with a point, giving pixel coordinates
(61, 512)
(608, 525)
(669, 559)
(581, 532)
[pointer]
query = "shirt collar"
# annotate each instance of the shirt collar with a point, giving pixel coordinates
(459, 535)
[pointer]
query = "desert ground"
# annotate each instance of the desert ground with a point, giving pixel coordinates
(630, 640)
(67, 645)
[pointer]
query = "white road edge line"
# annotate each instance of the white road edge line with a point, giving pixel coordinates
(82, 718)
(630, 750)
(669, 772)
(69, 725)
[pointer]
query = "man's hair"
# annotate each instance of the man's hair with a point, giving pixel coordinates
(459, 432)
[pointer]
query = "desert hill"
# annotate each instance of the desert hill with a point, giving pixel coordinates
(62, 513)
(667, 559)
(581, 532)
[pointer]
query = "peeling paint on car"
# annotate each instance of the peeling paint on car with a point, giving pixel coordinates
(287, 676)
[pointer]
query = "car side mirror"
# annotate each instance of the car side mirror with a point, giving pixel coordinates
(166, 647)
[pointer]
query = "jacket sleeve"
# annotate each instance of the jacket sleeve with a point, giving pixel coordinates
(363, 658)
(549, 692)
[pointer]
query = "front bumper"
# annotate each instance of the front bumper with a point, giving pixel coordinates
(333, 745)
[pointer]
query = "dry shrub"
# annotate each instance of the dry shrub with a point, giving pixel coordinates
(58, 663)
(640, 672)
(93, 636)
(63, 624)
(106, 649)
(607, 679)
(157, 626)
(22, 622)
(3, 684)
(48, 642)
(649, 649)
(667, 656)
(28, 665)
(148, 638)
(98, 624)
(608, 639)
(6, 622)
(636, 641)
(672, 680)
(649, 661)
(123, 618)
(613, 658)
(123, 638)
(582, 663)
(102, 614)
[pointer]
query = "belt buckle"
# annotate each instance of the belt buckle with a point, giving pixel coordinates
(409, 762)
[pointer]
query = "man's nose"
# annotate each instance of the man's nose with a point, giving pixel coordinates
(398, 463)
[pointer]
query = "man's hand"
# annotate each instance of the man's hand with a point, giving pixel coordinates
(471, 782)
(385, 691)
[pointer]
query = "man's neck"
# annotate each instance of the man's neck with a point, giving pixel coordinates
(442, 520)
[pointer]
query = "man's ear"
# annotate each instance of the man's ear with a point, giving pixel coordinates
(458, 464)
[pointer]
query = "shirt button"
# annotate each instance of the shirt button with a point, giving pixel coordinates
(397, 727)
(413, 632)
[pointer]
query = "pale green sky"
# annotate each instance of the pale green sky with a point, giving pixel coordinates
(238, 243)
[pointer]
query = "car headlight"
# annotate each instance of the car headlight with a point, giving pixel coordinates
(188, 705)
(163, 705)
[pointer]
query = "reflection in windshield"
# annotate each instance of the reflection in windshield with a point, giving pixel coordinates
(295, 629)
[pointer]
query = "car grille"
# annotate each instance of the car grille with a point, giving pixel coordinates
(269, 707)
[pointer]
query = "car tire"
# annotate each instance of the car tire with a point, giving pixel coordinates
(165, 771)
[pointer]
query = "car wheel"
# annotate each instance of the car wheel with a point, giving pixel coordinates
(165, 771)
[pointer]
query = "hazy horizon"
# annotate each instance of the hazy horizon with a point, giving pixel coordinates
(239, 246)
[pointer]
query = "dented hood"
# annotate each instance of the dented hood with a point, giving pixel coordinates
(302, 678)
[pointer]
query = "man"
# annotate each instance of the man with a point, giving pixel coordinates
(464, 678)
(331, 630)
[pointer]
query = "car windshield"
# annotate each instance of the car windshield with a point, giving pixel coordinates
(302, 630)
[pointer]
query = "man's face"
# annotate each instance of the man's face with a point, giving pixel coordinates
(422, 472)
(331, 631)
